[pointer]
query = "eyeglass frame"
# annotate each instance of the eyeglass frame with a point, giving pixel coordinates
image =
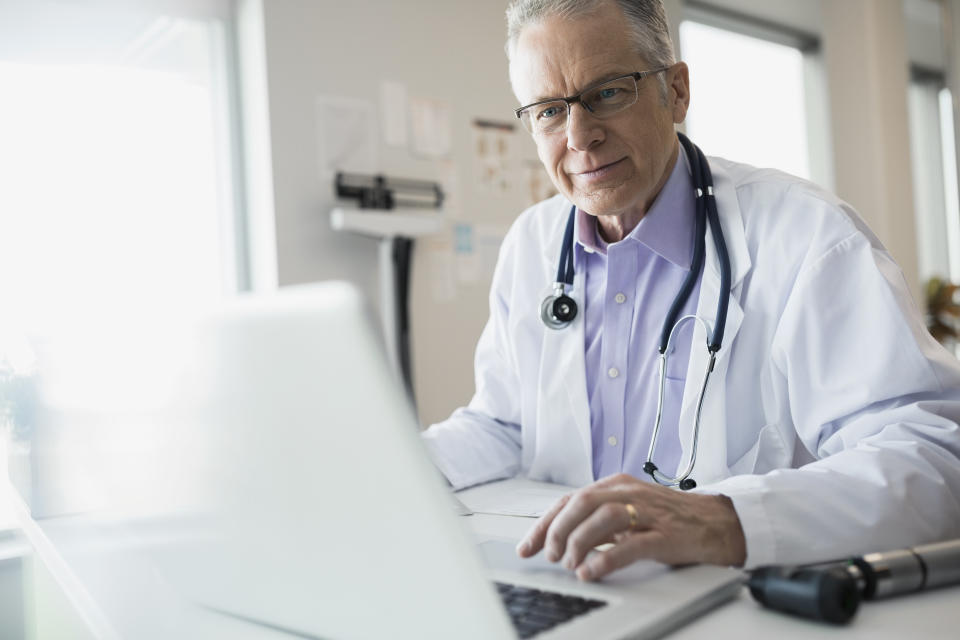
(576, 98)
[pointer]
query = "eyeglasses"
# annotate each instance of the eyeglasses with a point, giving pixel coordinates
(602, 100)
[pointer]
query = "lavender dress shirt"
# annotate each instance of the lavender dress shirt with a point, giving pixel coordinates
(629, 287)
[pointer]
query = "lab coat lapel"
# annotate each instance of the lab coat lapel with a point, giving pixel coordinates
(563, 444)
(563, 433)
(712, 451)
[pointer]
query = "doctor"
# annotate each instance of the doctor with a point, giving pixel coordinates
(828, 425)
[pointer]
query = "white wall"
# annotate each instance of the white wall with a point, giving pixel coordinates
(450, 51)
(866, 62)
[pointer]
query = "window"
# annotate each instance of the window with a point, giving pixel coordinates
(117, 167)
(754, 92)
(116, 159)
(934, 177)
(932, 146)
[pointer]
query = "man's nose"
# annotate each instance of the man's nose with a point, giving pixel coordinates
(583, 129)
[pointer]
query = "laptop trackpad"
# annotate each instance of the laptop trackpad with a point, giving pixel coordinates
(502, 555)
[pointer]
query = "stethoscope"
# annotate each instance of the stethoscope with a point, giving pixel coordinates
(558, 310)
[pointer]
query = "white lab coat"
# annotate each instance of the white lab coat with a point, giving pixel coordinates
(831, 416)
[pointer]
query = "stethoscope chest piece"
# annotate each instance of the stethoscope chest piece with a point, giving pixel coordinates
(558, 310)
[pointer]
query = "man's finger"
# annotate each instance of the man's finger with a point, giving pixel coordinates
(580, 506)
(644, 544)
(600, 527)
(533, 541)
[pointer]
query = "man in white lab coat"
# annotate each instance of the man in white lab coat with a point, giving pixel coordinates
(830, 419)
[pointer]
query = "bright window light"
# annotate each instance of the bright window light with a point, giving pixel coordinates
(115, 192)
(747, 98)
(950, 189)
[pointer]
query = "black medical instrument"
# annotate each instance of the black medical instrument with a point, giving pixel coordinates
(382, 192)
(832, 592)
(558, 310)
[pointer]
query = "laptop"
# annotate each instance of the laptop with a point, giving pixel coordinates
(297, 496)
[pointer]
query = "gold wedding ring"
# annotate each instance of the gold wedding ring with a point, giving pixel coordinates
(634, 517)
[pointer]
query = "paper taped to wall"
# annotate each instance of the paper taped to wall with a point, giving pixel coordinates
(346, 136)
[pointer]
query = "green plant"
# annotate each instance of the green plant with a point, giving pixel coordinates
(943, 310)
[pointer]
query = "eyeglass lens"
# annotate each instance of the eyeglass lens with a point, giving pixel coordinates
(602, 101)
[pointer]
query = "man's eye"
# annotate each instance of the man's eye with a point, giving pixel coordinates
(549, 112)
(608, 92)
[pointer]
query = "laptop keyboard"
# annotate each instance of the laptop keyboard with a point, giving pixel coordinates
(533, 610)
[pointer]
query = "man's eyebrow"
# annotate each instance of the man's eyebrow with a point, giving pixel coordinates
(604, 78)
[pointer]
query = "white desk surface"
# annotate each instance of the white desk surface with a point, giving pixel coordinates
(931, 615)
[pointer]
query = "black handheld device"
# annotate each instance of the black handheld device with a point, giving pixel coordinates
(832, 592)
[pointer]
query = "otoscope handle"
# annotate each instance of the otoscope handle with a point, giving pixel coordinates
(923, 567)
(943, 562)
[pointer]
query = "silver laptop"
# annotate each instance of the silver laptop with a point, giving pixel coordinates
(288, 481)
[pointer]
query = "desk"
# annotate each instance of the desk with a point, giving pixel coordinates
(931, 615)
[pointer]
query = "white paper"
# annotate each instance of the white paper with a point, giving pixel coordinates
(393, 113)
(450, 183)
(514, 497)
(346, 135)
(430, 124)
(488, 239)
(438, 254)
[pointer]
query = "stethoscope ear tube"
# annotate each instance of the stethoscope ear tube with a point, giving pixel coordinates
(723, 256)
(706, 210)
(699, 250)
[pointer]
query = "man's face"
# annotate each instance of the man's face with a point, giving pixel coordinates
(610, 167)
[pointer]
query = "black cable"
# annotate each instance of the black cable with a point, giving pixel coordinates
(565, 268)
(699, 242)
(402, 254)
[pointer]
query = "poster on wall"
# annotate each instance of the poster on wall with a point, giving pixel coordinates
(492, 155)
(537, 182)
(430, 126)
(346, 136)
(393, 113)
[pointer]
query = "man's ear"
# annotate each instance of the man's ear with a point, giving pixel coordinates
(678, 91)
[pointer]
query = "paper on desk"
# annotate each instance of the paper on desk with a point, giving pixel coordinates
(513, 497)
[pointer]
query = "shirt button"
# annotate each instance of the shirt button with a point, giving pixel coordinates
(620, 298)
(613, 373)
(612, 440)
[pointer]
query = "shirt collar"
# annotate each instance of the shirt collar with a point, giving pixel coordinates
(667, 228)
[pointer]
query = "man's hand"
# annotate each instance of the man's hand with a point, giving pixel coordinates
(669, 526)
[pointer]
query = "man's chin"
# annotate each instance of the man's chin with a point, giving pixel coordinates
(603, 201)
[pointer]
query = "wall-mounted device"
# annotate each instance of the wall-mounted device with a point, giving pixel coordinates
(394, 211)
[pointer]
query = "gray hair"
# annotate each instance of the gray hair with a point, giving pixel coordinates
(647, 21)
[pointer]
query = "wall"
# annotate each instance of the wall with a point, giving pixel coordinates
(450, 51)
